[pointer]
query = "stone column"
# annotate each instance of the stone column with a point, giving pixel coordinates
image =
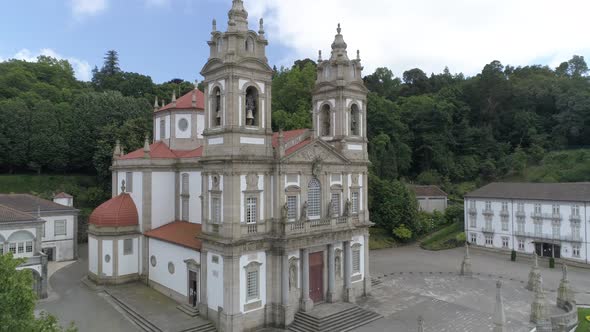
(203, 304)
(348, 291)
(564, 292)
(534, 274)
(539, 310)
(466, 264)
(285, 279)
(306, 302)
(331, 274)
(367, 271)
(499, 317)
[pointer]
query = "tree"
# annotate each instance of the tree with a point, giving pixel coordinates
(111, 63)
(17, 300)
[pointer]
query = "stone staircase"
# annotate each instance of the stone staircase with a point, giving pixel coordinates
(340, 321)
(140, 321)
(207, 327)
(188, 309)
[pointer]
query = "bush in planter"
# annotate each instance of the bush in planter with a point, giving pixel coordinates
(513, 255)
(551, 263)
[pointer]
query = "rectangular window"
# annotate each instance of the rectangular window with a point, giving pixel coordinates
(474, 238)
(215, 210)
(354, 200)
(504, 224)
(129, 182)
(21, 247)
(521, 244)
(520, 207)
(520, 224)
(505, 242)
(576, 231)
(12, 248)
(538, 228)
(576, 250)
(489, 240)
(575, 210)
(556, 230)
(335, 204)
(185, 188)
(488, 205)
(356, 261)
(555, 209)
(538, 208)
(488, 223)
(472, 221)
(252, 285)
(162, 129)
(472, 204)
(504, 206)
(29, 246)
(291, 207)
(59, 227)
(251, 212)
(128, 247)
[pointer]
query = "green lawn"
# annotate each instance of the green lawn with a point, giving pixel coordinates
(380, 239)
(28, 183)
(444, 238)
(584, 325)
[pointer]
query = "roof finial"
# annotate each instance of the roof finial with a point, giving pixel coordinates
(339, 29)
(214, 26)
(117, 151)
(156, 104)
(319, 55)
(38, 211)
(174, 98)
(358, 55)
(163, 103)
(261, 28)
(146, 147)
(194, 97)
(123, 187)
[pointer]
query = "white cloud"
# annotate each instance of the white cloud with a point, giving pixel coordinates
(430, 34)
(157, 3)
(83, 8)
(82, 68)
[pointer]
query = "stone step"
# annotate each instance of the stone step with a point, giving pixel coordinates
(207, 327)
(188, 309)
(139, 320)
(342, 321)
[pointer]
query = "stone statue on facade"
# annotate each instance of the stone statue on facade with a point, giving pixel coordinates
(285, 211)
(330, 204)
(347, 207)
(304, 211)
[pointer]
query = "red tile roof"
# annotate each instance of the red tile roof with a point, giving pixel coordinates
(186, 101)
(287, 136)
(116, 212)
(297, 146)
(178, 232)
(161, 150)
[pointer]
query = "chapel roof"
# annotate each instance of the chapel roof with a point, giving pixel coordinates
(116, 212)
(427, 190)
(161, 150)
(186, 101)
(32, 204)
(182, 233)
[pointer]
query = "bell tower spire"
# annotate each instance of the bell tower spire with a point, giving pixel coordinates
(238, 17)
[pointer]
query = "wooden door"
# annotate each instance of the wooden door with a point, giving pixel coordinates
(193, 290)
(316, 276)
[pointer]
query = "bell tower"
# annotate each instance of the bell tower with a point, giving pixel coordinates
(237, 90)
(339, 101)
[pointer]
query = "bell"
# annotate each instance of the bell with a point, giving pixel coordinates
(218, 115)
(249, 115)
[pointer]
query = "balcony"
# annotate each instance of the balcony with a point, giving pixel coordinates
(575, 218)
(472, 211)
(548, 216)
(487, 229)
(317, 225)
(520, 213)
(504, 213)
(487, 212)
(550, 237)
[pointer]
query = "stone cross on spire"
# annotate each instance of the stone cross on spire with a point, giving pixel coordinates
(564, 292)
(534, 273)
(499, 317)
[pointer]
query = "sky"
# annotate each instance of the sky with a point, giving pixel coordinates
(167, 39)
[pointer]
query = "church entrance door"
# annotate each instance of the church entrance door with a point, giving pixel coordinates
(193, 290)
(316, 276)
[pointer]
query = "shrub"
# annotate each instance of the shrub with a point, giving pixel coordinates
(402, 233)
(461, 238)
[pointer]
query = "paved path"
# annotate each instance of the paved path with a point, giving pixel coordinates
(74, 302)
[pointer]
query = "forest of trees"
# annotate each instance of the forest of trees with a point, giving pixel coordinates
(440, 128)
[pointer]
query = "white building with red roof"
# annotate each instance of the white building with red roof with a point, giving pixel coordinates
(246, 225)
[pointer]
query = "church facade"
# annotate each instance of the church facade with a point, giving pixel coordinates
(221, 213)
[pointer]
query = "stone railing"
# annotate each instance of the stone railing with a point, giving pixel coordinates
(250, 229)
(566, 321)
(504, 213)
(487, 212)
(316, 225)
(552, 216)
(472, 211)
(520, 213)
(487, 229)
(551, 237)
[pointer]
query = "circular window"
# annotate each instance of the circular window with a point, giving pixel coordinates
(171, 267)
(107, 258)
(183, 124)
(153, 260)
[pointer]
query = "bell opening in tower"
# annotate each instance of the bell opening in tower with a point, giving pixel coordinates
(252, 107)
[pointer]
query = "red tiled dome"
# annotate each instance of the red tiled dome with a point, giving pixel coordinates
(117, 211)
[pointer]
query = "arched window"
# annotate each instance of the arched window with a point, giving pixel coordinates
(219, 45)
(314, 197)
(249, 44)
(216, 107)
(355, 120)
(251, 108)
(324, 119)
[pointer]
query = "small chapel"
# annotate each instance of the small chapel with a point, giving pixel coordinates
(220, 213)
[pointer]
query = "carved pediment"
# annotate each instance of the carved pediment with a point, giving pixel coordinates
(317, 152)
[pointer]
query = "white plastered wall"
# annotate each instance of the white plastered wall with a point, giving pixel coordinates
(107, 249)
(92, 255)
(215, 288)
(162, 198)
(165, 253)
(63, 244)
(136, 191)
(179, 133)
(128, 264)
(167, 127)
